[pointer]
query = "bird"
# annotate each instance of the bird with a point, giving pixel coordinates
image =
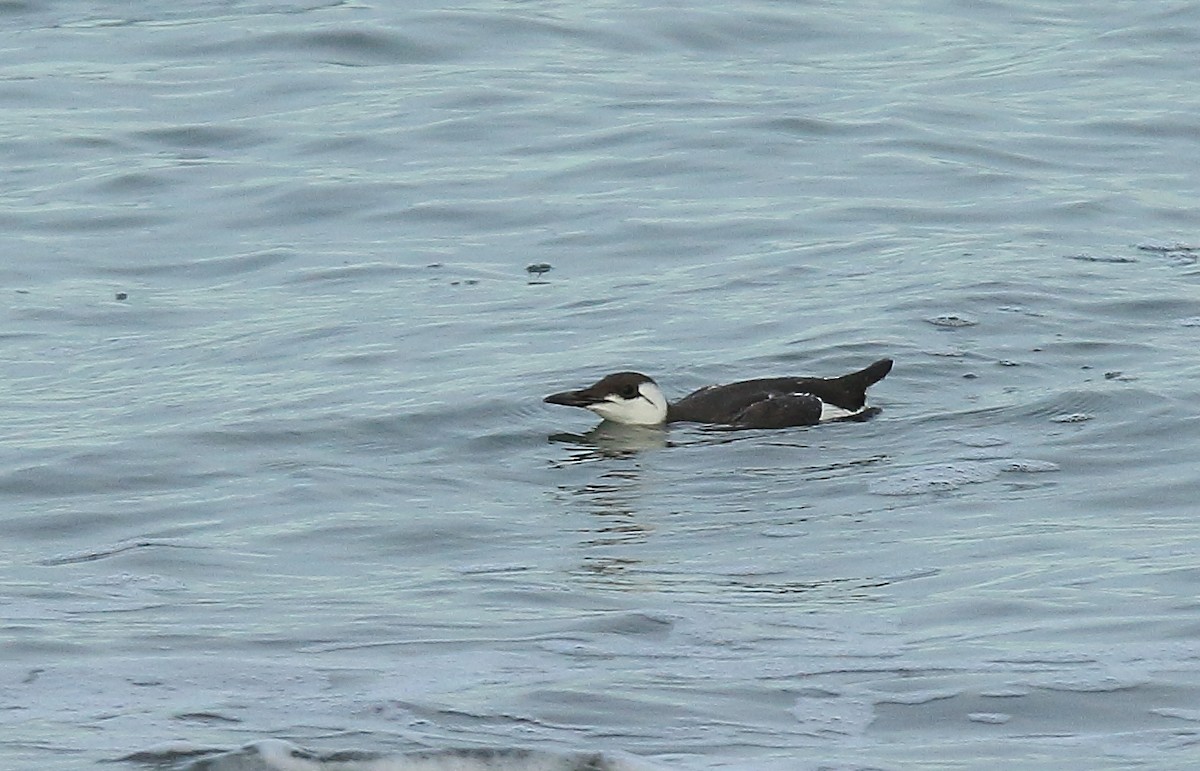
(632, 398)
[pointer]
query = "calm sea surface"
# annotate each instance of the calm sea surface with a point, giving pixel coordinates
(274, 465)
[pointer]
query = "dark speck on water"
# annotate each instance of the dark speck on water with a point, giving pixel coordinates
(1114, 259)
(951, 321)
(536, 270)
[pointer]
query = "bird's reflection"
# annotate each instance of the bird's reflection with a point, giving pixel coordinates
(615, 536)
(612, 440)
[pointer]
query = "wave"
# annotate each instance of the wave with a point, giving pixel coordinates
(279, 755)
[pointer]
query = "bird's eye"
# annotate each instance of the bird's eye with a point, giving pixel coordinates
(629, 392)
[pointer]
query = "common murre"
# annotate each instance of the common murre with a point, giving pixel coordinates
(776, 402)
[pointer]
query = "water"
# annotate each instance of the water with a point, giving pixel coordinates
(275, 466)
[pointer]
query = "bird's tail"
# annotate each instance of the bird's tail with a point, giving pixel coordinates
(860, 381)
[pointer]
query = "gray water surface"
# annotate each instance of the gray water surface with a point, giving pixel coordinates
(275, 464)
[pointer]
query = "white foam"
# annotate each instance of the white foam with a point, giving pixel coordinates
(937, 477)
(279, 755)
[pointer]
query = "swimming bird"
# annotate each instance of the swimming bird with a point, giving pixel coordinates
(775, 402)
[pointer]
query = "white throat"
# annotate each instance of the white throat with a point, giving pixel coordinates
(648, 408)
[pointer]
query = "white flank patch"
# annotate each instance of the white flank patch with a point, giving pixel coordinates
(833, 412)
